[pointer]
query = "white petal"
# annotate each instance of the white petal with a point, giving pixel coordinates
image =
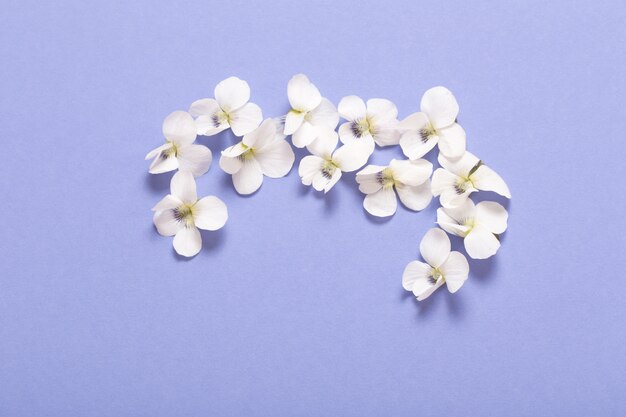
(163, 163)
(461, 166)
(352, 157)
(352, 108)
(429, 291)
(452, 141)
(333, 180)
(367, 179)
(305, 135)
(382, 203)
(416, 197)
(204, 107)
(179, 128)
(188, 241)
(230, 165)
(413, 146)
(381, 110)
(309, 166)
(206, 125)
(415, 272)
(276, 158)
(235, 150)
(486, 179)
(303, 95)
(387, 134)
(411, 172)
(440, 106)
(153, 153)
(168, 202)
(183, 187)
(194, 158)
(325, 143)
(319, 181)
(249, 178)
(480, 243)
(455, 270)
(325, 115)
(232, 93)
(435, 247)
(444, 185)
(166, 223)
(447, 223)
(293, 121)
(416, 122)
(346, 135)
(210, 213)
(245, 119)
(492, 216)
(261, 136)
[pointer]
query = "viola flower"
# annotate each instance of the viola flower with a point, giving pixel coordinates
(264, 151)
(459, 178)
(435, 124)
(408, 178)
(230, 108)
(375, 123)
(309, 110)
(179, 151)
(443, 266)
(323, 169)
(181, 214)
(478, 225)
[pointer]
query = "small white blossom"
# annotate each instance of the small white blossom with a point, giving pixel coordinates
(179, 151)
(264, 151)
(459, 178)
(435, 124)
(373, 123)
(443, 266)
(181, 214)
(323, 169)
(309, 111)
(408, 178)
(230, 108)
(478, 225)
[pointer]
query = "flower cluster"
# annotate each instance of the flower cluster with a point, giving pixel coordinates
(263, 151)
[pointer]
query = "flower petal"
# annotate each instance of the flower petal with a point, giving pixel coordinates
(435, 247)
(232, 93)
(346, 135)
(381, 110)
(165, 222)
(188, 241)
(305, 134)
(333, 180)
(325, 143)
(352, 156)
(486, 179)
(416, 273)
(480, 243)
(210, 213)
(249, 178)
(183, 187)
(276, 158)
(455, 270)
(179, 127)
(444, 185)
(440, 106)
(411, 172)
(293, 121)
(382, 203)
(303, 94)
(447, 223)
(210, 125)
(367, 178)
(413, 146)
(194, 158)
(156, 151)
(309, 166)
(416, 122)
(352, 108)
(461, 166)
(204, 107)
(429, 291)
(492, 216)
(163, 163)
(324, 115)
(415, 197)
(168, 202)
(386, 133)
(261, 136)
(245, 119)
(452, 141)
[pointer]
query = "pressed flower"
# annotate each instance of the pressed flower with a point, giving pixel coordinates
(442, 266)
(434, 124)
(309, 111)
(323, 169)
(264, 151)
(229, 109)
(179, 151)
(408, 178)
(459, 178)
(479, 225)
(181, 214)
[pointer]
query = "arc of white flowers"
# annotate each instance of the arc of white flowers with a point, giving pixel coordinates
(408, 178)
(478, 225)
(181, 214)
(443, 266)
(372, 123)
(179, 151)
(264, 151)
(229, 109)
(459, 178)
(325, 166)
(434, 124)
(309, 111)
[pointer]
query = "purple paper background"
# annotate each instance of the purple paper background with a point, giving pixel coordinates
(296, 307)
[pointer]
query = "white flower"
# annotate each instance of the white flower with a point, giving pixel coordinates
(477, 224)
(435, 124)
(443, 266)
(309, 110)
(459, 178)
(230, 108)
(264, 151)
(377, 122)
(179, 152)
(323, 169)
(181, 214)
(409, 178)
